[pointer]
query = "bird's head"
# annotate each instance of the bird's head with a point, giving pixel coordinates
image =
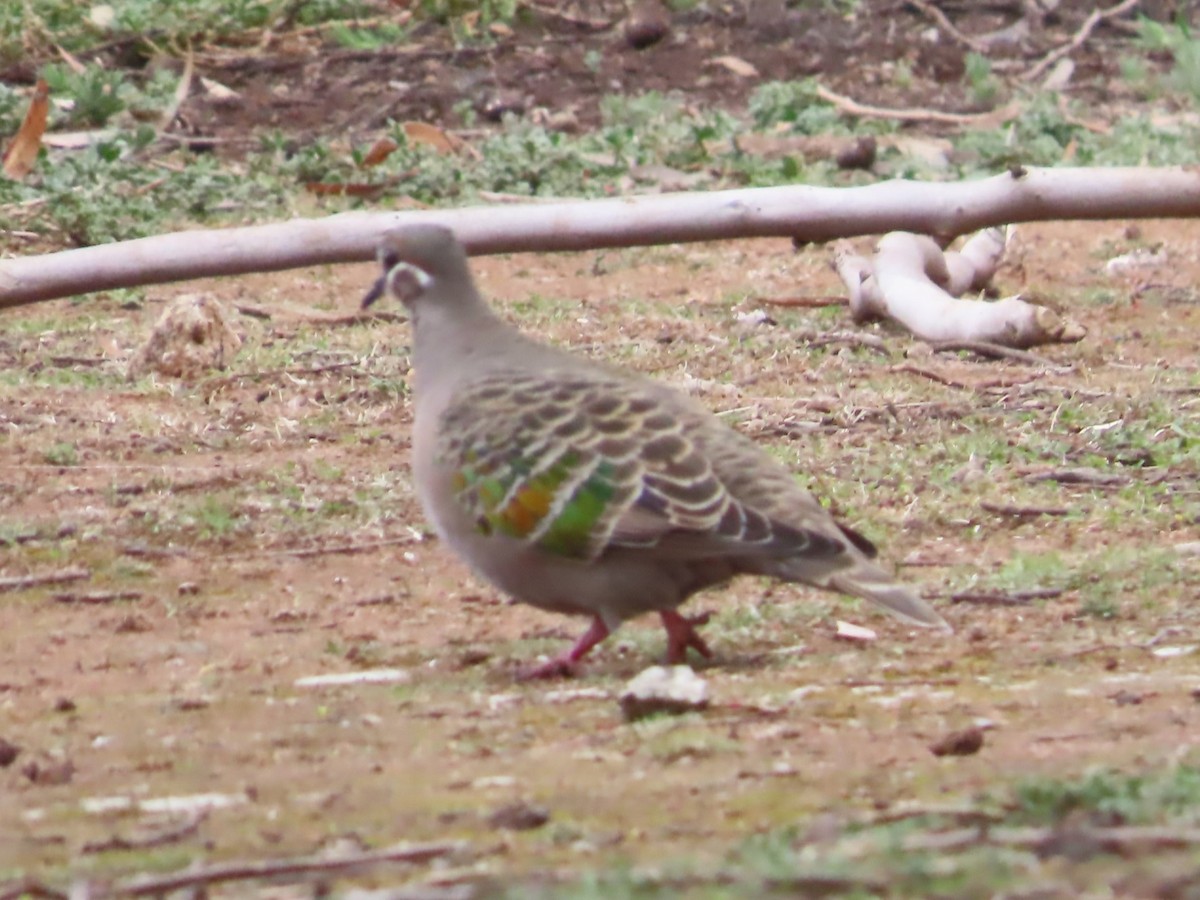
(418, 260)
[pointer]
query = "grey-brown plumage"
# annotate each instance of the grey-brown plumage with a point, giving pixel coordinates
(582, 489)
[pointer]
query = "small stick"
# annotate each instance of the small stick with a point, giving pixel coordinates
(60, 576)
(999, 598)
(942, 22)
(189, 826)
(1085, 30)
(153, 886)
(306, 552)
(993, 351)
(854, 108)
(799, 302)
(97, 597)
(1006, 509)
(19, 890)
(933, 376)
(1079, 476)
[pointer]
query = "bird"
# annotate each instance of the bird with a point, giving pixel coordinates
(584, 489)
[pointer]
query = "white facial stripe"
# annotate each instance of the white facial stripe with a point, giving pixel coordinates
(407, 282)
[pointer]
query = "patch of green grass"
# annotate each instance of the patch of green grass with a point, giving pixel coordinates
(984, 85)
(1184, 48)
(215, 517)
(104, 194)
(1111, 798)
(62, 454)
(383, 34)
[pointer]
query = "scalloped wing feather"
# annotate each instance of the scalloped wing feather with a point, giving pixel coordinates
(578, 464)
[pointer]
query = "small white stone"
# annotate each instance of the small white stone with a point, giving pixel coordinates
(660, 689)
(847, 631)
(367, 676)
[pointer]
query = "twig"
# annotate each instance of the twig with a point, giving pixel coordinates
(577, 21)
(899, 682)
(276, 373)
(799, 302)
(177, 832)
(933, 376)
(1079, 476)
(97, 597)
(63, 362)
(354, 318)
(60, 576)
(965, 815)
(1001, 598)
(1007, 509)
(1088, 651)
(854, 338)
(182, 89)
(1085, 30)
(306, 552)
(942, 22)
(27, 887)
(150, 886)
(854, 108)
(992, 351)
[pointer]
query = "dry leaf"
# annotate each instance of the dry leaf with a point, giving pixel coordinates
(431, 136)
(499, 29)
(736, 65)
(350, 189)
(380, 150)
(22, 153)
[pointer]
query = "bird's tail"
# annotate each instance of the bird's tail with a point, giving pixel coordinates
(865, 579)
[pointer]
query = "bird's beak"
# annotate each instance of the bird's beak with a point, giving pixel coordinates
(376, 291)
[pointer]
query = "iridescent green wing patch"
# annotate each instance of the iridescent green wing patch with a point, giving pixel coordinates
(527, 465)
(550, 506)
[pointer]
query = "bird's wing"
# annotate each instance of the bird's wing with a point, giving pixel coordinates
(762, 483)
(581, 463)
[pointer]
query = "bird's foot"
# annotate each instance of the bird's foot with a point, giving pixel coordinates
(565, 665)
(681, 634)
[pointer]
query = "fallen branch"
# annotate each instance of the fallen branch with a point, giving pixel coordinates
(169, 835)
(943, 22)
(1008, 509)
(993, 351)
(977, 120)
(912, 281)
(933, 376)
(199, 878)
(1085, 30)
(27, 888)
(1001, 598)
(800, 211)
(95, 598)
(60, 576)
(1080, 476)
(800, 302)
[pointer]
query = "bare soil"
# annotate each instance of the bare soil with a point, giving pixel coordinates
(255, 526)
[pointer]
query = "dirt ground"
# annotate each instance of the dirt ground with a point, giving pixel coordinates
(238, 532)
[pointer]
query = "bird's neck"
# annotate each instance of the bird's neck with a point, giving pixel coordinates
(455, 336)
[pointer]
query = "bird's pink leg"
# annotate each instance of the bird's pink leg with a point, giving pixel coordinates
(681, 634)
(563, 665)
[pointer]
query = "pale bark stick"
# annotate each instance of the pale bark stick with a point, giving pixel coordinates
(800, 212)
(910, 280)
